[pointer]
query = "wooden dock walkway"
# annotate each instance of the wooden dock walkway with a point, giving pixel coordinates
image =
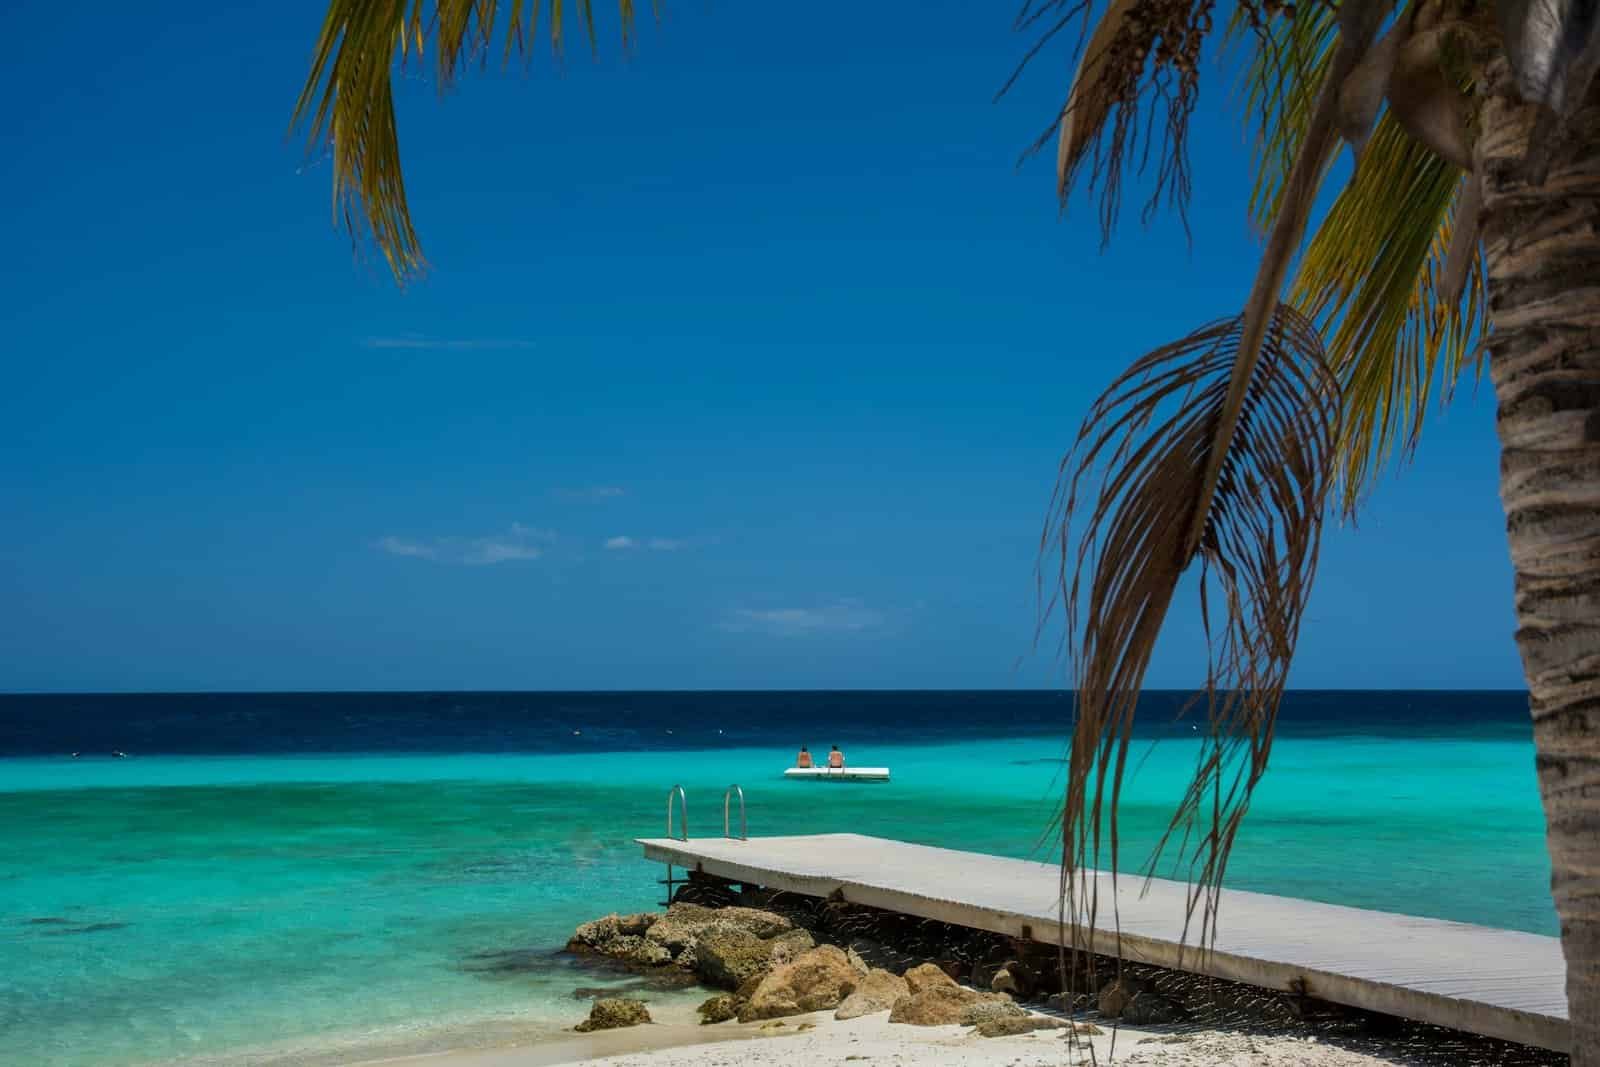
(1500, 983)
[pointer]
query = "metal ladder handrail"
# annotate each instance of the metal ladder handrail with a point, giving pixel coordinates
(727, 799)
(683, 804)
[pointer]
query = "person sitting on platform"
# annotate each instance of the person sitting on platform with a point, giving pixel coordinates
(836, 758)
(805, 758)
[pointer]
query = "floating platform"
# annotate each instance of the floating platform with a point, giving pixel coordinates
(1498, 983)
(840, 774)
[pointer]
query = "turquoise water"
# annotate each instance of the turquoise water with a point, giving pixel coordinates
(254, 908)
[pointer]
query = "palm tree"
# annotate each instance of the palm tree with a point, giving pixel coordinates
(1472, 215)
(1473, 210)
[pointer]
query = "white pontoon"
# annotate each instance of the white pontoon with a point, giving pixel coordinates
(840, 774)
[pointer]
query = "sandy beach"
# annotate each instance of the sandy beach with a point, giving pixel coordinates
(818, 1040)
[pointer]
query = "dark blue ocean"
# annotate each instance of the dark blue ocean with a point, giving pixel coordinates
(260, 723)
(304, 878)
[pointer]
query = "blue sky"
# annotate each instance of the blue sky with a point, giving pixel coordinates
(744, 361)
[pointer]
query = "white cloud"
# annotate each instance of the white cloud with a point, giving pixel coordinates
(841, 616)
(654, 544)
(455, 344)
(400, 546)
(518, 543)
(494, 550)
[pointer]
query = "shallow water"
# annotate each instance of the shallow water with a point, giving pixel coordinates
(245, 908)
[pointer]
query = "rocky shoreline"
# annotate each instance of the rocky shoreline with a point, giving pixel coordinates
(774, 955)
(777, 955)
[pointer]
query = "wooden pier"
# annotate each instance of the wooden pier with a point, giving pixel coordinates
(1499, 983)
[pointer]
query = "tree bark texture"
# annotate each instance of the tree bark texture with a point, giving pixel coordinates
(1541, 247)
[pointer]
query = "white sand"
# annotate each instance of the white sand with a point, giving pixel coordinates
(873, 1042)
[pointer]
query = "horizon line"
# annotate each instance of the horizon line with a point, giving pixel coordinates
(647, 691)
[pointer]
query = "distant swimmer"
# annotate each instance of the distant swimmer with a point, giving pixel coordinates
(119, 754)
(74, 755)
(577, 733)
(836, 758)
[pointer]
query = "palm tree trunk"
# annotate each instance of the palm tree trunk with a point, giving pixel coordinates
(1542, 257)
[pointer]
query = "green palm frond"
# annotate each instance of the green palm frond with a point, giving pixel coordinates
(1289, 61)
(348, 99)
(1372, 276)
(1371, 279)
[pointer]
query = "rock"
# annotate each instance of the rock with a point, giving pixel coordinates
(719, 1009)
(621, 937)
(928, 976)
(1128, 1000)
(613, 1013)
(764, 924)
(866, 954)
(788, 947)
(1085, 1028)
(649, 941)
(633, 949)
(705, 889)
(636, 925)
(1148, 1008)
(877, 991)
(1005, 983)
(942, 1005)
(817, 981)
(1012, 1025)
(752, 896)
(595, 932)
(933, 1005)
(725, 958)
(681, 928)
(1115, 997)
(598, 933)
(983, 1011)
(1011, 978)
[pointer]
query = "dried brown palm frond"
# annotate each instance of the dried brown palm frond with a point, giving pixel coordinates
(1138, 469)
(1139, 67)
(1235, 480)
